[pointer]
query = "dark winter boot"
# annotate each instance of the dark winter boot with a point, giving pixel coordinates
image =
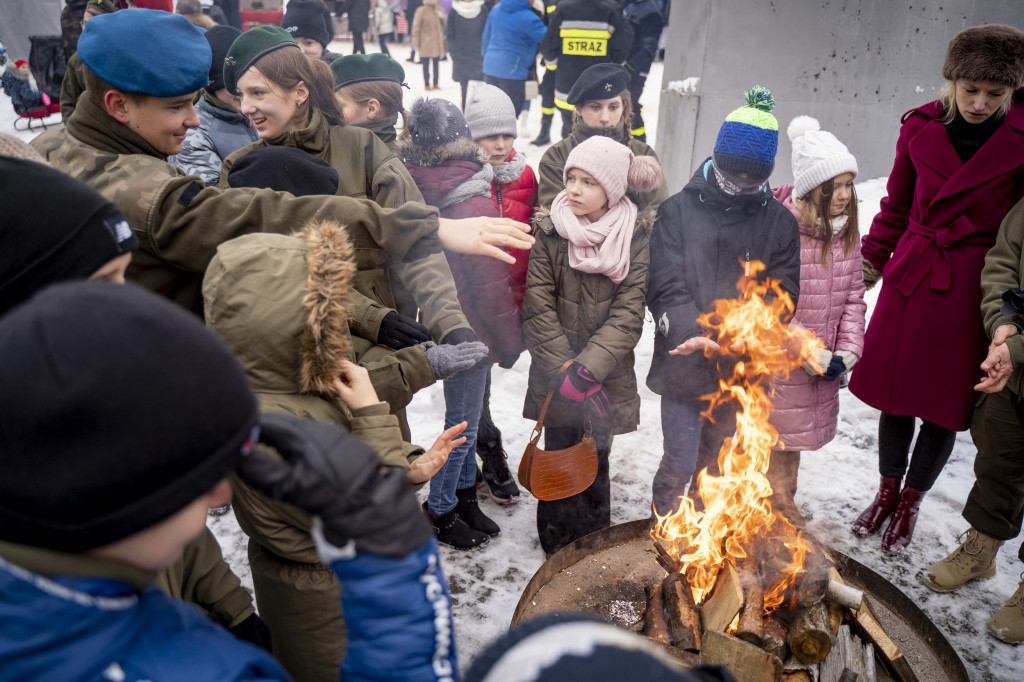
(468, 510)
(453, 531)
(500, 483)
(545, 130)
(901, 528)
(884, 504)
(783, 470)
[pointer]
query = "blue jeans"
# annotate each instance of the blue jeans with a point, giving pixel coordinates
(690, 444)
(463, 399)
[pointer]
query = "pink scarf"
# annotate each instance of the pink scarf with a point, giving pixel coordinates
(601, 247)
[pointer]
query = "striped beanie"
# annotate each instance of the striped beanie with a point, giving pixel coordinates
(749, 138)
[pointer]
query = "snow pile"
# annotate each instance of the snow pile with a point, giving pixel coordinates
(687, 86)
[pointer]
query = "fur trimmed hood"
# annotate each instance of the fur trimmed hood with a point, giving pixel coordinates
(459, 150)
(282, 303)
(644, 221)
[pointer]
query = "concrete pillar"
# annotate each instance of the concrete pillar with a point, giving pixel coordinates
(855, 65)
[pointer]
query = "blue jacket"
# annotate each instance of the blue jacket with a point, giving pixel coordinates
(510, 41)
(646, 20)
(66, 628)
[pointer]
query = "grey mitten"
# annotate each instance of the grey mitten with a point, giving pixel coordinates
(871, 274)
(447, 361)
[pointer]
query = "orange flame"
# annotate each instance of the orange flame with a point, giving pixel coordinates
(737, 512)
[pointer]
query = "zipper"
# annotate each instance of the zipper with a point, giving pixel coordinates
(501, 206)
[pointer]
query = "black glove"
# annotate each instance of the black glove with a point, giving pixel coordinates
(507, 361)
(398, 331)
(835, 368)
(460, 335)
(254, 631)
(334, 475)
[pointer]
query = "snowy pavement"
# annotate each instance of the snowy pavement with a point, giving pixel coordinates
(836, 482)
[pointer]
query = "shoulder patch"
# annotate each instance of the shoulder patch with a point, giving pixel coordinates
(186, 197)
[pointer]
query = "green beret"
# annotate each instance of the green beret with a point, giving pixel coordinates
(248, 48)
(357, 68)
(146, 51)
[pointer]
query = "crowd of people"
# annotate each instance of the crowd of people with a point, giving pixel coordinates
(262, 250)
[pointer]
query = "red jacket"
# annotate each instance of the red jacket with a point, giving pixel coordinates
(516, 199)
(483, 283)
(925, 339)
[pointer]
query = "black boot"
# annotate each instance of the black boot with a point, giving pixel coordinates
(500, 482)
(545, 131)
(453, 531)
(468, 510)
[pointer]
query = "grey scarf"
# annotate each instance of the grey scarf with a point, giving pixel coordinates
(510, 170)
(478, 185)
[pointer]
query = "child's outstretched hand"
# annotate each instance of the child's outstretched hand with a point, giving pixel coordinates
(354, 386)
(694, 344)
(430, 462)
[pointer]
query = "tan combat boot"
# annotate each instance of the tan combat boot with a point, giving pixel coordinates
(974, 559)
(1008, 623)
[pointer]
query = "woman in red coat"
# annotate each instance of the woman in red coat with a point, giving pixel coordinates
(959, 169)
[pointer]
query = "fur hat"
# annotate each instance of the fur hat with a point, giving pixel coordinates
(817, 155)
(614, 166)
(435, 122)
(489, 111)
(101, 441)
(994, 52)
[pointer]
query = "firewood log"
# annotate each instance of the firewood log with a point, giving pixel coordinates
(725, 601)
(744, 661)
(773, 640)
(751, 625)
(681, 613)
(809, 638)
(655, 623)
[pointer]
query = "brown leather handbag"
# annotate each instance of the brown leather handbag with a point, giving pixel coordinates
(557, 474)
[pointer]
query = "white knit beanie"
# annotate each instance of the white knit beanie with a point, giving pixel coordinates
(489, 111)
(817, 155)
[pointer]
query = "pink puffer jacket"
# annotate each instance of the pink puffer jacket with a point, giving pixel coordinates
(831, 304)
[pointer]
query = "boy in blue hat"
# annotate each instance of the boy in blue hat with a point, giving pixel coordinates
(722, 220)
(143, 69)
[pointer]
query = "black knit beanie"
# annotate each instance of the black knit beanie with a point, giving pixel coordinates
(220, 39)
(305, 19)
(285, 169)
(434, 122)
(53, 240)
(118, 410)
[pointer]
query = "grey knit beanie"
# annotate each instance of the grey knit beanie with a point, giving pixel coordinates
(489, 111)
(434, 122)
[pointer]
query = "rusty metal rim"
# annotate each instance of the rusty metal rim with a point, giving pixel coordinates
(855, 572)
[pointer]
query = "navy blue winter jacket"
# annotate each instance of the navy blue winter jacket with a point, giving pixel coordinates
(73, 628)
(645, 19)
(510, 40)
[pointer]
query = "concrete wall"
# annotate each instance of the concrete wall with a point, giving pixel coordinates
(855, 65)
(20, 19)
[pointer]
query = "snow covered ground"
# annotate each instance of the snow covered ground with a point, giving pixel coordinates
(836, 483)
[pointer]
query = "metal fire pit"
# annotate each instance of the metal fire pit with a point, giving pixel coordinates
(611, 566)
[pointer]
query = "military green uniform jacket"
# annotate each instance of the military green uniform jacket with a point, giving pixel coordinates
(71, 87)
(553, 163)
(1004, 269)
(180, 222)
(281, 303)
(573, 315)
(366, 168)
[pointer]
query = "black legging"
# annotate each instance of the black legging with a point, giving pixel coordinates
(426, 61)
(487, 433)
(383, 39)
(357, 43)
(931, 451)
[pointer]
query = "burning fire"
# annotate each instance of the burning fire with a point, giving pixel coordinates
(737, 515)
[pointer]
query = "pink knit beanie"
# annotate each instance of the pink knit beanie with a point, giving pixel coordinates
(614, 166)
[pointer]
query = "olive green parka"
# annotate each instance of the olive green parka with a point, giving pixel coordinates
(586, 317)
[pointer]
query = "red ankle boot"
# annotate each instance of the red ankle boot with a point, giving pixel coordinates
(901, 528)
(872, 518)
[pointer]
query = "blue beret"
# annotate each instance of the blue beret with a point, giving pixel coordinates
(146, 51)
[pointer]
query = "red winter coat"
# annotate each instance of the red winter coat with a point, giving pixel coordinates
(483, 283)
(514, 193)
(831, 304)
(925, 340)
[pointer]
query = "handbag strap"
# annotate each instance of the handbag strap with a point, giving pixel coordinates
(539, 426)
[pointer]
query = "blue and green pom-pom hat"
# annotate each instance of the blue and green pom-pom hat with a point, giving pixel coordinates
(749, 138)
(249, 48)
